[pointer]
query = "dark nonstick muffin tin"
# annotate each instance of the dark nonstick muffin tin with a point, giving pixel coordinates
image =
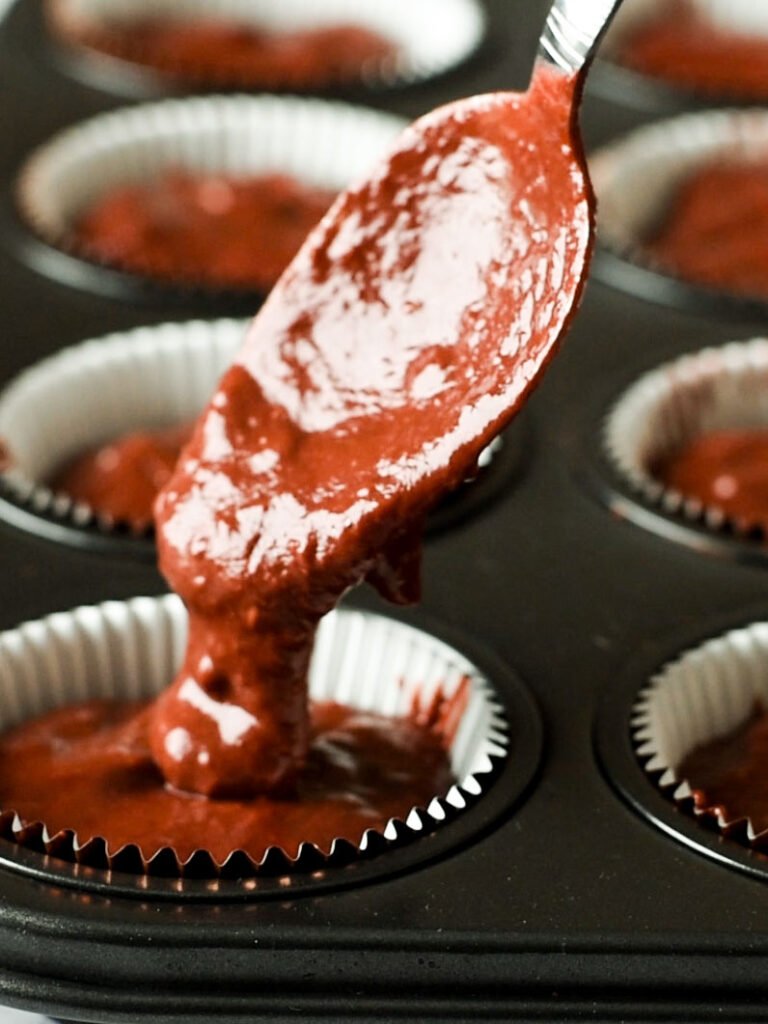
(572, 890)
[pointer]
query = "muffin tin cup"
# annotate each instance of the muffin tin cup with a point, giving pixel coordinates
(705, 694)
(713, 389)
(149, 378)
(321, 143)
(94, 392)
(130, 650)
(429, 38)
(636, 177)
(635, 89)
(743, 16)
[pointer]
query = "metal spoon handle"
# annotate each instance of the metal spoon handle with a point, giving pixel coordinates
(572, 31)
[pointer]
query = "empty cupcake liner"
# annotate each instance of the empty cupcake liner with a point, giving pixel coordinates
(636, 177)
(705, 694)
(713, 389)
(429, 37)
(323, 144)
(130, 650)
(92, 393)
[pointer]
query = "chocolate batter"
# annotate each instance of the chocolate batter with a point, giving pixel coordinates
(727, 469)
(216, 52)
(683, 48)
(730, 773)
(120, 480)
(215, 230)
(715, 230)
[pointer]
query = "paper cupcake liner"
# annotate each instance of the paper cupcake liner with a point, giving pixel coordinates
(131, 650)
(323, 144)
(92, 393)
(713, 389)
(742, 17)
(636, 177)
(705, 694)
(429, 38)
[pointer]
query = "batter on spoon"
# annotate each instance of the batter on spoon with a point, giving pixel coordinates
(404, 336)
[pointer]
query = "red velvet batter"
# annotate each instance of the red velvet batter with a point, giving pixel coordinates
(88, 769)
(683, 48)
(120, 480)
(732, 772)
(222, 53)
(715, 231)
(209, 229)
(404, 336)
(727, 469)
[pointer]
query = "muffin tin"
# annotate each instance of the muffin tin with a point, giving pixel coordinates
(572, 889)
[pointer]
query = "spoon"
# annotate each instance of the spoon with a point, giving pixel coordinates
(407, 332)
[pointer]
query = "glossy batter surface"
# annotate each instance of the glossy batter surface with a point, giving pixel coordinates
(727, 469)
(406, 333)
(715, 229)
(218, 52)
(682, 47)
(209, 229)
(731, 773)
(88, 769)
(121, 480)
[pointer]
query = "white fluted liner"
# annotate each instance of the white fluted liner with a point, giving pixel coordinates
(132, 649)
(93, 392)
(705, 694)
(720, 388)
(325, 144)
(749, 17)
(430, 36)
(636, 177)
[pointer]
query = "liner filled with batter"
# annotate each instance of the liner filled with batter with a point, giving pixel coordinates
(211, 194)
(700, 730)
(421, 722)
(688, 199)
(296, 45)
(691, 438)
